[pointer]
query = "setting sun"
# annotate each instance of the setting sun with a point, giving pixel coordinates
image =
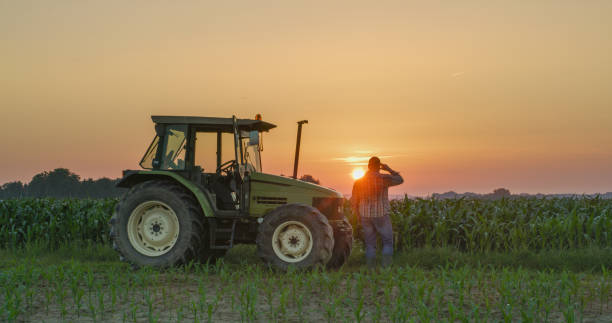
(358, 173)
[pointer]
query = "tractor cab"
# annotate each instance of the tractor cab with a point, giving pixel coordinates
(217, 154)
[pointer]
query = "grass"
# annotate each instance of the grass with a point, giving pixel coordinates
(583, 260)
(86, 282)
(37, 252)
(589, 260)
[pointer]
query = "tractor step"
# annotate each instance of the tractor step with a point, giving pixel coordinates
(216, 229)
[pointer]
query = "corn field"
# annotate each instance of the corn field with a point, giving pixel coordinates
(467, 224)
(98, 289)
(54, 222)
(503, 225)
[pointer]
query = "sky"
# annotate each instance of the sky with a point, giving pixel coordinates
(455, 95)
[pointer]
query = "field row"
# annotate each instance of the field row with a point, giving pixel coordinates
(465, 224)
(74, 291)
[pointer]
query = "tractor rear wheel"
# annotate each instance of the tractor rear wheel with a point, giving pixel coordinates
(157, 223)
(343, 244)
(295, 234)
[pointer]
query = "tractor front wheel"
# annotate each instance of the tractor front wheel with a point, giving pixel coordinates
(295, 234)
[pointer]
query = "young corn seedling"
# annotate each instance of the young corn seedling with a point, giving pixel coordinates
(604, 289)
(299, 302)
(133, 310)
(149, 301)
(90, 279)
(194, 311)
(113, 294)
(211, 307)
(331, 308)
(100, 298)
(77, 296)
(377, 313)
(283, 301)
(179, 313)
(92, 308)
(358, 304)
(60, 294)
(248, 302)
(14, 304)
(269, 290)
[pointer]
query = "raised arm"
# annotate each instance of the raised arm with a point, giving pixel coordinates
(393, 178)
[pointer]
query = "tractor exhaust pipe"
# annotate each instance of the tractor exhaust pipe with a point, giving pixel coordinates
(297, 147)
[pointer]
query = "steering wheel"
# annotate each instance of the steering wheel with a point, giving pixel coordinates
(227, 167)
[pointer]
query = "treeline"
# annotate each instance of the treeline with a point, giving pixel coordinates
(495, 195)
(503, 193)
(61, 183)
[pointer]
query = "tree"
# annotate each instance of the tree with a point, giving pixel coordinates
(501, 193)
(100, 188)
(310, 179)
(58, 183)
(62, 183)
(12, 190)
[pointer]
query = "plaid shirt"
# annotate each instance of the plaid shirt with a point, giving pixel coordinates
(370, 196)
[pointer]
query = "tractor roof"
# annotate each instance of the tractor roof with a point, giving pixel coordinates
(215, 124)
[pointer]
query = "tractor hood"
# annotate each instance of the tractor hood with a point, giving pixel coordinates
(291, 184)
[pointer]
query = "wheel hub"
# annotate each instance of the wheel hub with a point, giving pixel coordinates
(153, 228)
(292, 241)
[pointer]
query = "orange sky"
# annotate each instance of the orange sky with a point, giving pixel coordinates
(459, 95)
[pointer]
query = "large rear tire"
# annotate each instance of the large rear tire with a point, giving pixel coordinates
(159, 224)
(295, 235)
(343, 244)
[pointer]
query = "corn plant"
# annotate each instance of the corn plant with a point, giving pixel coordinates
(54, 222)
(522, 223)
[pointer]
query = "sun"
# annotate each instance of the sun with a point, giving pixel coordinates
(358, 173)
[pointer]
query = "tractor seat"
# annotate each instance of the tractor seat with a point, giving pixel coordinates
(221, 186)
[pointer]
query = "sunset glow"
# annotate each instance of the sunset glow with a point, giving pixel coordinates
(358, 173)
(463, 96)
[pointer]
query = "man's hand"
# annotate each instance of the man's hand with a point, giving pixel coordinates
(386, 167)
(394, 178)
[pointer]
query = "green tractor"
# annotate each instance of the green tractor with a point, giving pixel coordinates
(179, 209)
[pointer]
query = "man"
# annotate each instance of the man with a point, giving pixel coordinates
(370, 201)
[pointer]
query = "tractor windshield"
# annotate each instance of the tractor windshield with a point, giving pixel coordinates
(172, 150)
(147, 160)
(173, 156)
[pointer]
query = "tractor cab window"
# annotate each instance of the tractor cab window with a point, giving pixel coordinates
(173, 155)
(206, 150)
(252, 155)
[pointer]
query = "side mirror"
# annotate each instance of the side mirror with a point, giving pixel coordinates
(254, 138)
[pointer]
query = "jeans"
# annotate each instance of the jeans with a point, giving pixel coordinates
(370, 227)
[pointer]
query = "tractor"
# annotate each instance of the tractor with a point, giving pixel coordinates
(182, 207)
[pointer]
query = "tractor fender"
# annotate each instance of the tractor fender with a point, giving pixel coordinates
(132, 178)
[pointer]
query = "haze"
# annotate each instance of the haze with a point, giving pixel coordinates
(456, 95)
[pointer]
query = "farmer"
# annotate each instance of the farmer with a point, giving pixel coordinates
(370, 202)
